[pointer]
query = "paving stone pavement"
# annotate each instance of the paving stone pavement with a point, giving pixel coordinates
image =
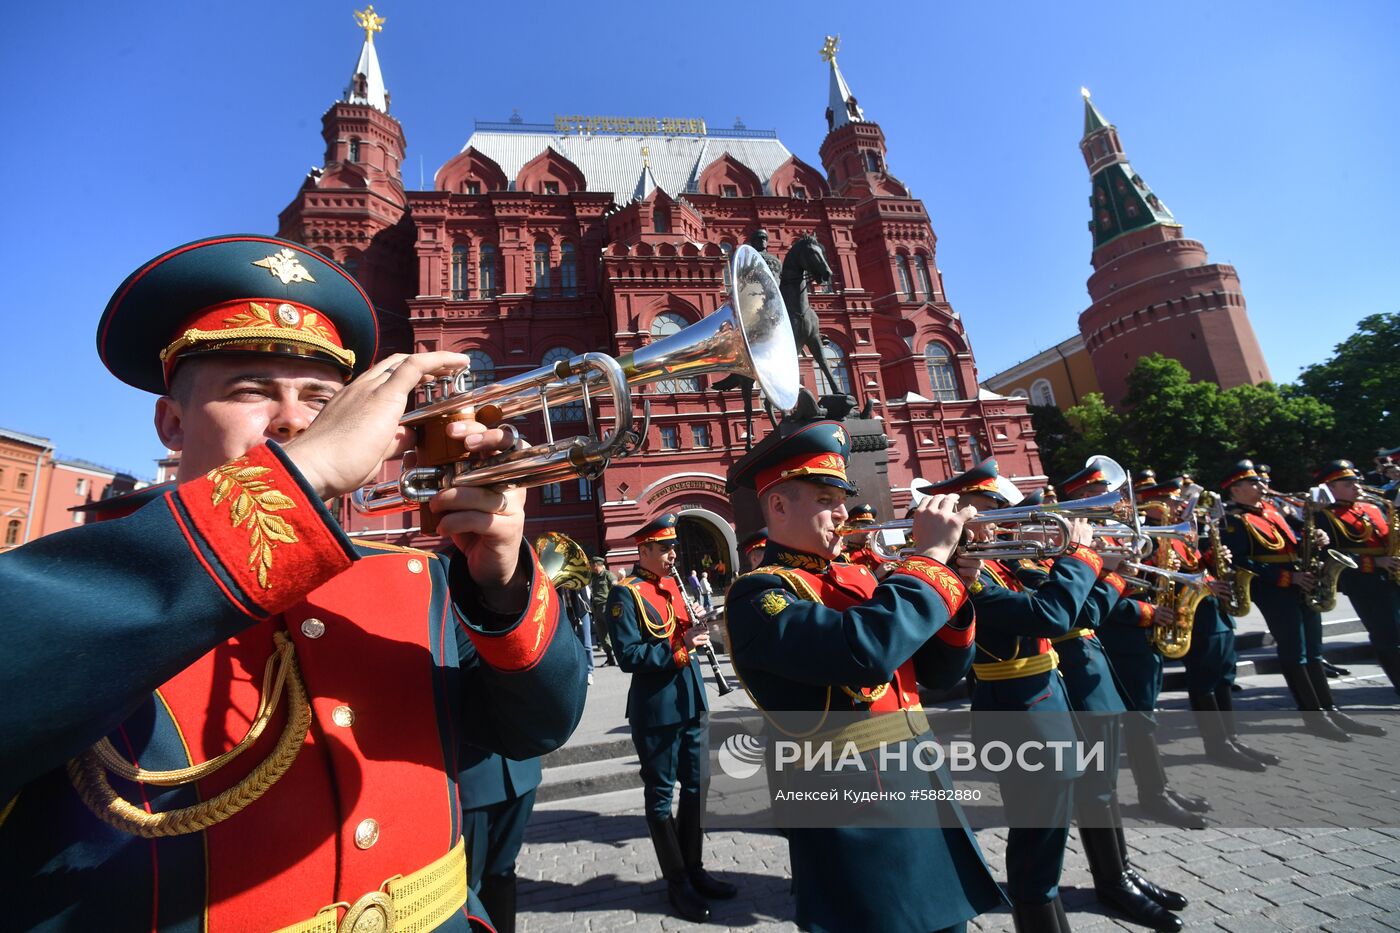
(587, 863)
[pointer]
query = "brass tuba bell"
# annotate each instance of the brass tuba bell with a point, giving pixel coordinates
(563, 561)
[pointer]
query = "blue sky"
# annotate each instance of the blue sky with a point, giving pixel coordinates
(1270, 129)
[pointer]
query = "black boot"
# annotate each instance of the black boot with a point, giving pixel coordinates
(1060, 917)
(688, 904)
(1213, 735)
(497, 895)
(1300, 685)
(1151, 780)
(1225, 702)
(1115, 887)
(1036, 918)
(1169, 899)
(1339, 719)
(1332, 670)
(692, 839)
(1389, 658)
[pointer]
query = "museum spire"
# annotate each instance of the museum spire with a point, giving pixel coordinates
(841, 106)
(367, 82)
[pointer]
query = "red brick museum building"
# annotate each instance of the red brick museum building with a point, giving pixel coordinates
(541, 241)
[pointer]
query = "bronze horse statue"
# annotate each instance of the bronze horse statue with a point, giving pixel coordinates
(804, 265)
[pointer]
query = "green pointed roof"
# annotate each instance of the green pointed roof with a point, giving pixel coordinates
(1093, 120)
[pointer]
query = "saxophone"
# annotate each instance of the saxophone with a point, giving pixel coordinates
(1174, 640)
(1238, 578)
(1392, 535)
(1326, 564)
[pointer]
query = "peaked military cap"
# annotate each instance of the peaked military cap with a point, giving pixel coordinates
(1160, 491)
(1144, 478)
(1337, 469)
(1243, 470)
(981, 479)
(661, 528)
(754, 539)
(1037, 497)
(1388, 453)
(1077, 481)
(860, 513)
(817, 452)
(121, 505)
(235, 294)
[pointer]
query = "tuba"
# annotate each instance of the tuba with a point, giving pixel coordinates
(563, 561)
(750, 335)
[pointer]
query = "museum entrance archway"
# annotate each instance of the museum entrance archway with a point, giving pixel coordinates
(702, 545)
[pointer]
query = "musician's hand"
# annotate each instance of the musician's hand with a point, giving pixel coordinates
(1227, 554)
(1386, 564)
(1163, 615)
(938, 525)
(968, 567)
(1320, 538)
(697, 636)
(359, 429)
(1081, 532)
(1111, 561)
(1306, 582)
(1220, 589)
(487, 523)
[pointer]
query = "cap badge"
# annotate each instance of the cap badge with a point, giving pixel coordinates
(288, 315)
(285, 266)
(840, 435)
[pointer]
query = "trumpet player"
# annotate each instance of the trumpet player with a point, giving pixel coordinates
(813, 635)
(1265, 541)
(655, 640)
(858, 549)
(144, 640)
(1363, 529)
(1014, 671)
(1128, 639)
(1089, 685)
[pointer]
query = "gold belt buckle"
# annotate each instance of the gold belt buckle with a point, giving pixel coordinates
(373, 913)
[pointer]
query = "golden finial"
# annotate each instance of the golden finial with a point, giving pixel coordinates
(646, 161)
(369, 21)
(1085, 92)
(829, 47)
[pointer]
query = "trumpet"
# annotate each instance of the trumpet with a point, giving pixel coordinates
(1175, 576)
(750, 336)
(1047, 521)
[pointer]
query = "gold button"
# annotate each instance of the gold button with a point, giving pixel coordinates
(313, 628)
(343, 716)
(367, 833)
(415, 565)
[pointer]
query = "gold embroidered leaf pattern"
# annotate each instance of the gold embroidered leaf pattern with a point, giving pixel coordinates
(253, 500)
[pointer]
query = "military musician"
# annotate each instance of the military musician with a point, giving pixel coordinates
(257, 720)
(810, 633)
(655, 639)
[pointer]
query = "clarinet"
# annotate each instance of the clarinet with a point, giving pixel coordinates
(724, 685)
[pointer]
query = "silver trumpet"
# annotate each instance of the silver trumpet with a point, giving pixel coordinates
(1041, 531)
(1176, 576)
(750, 335)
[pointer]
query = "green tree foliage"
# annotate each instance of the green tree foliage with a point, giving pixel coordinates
(1361, 382)
(1175, 425)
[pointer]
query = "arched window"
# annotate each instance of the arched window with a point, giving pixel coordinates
(727, 248)
(941, 375)
(872, 161)
(541, 270)
(568, 270)
(22, 481)
(664, 325)
(12, 532)
(837, 361)
(573, 411)
(483, 369)
(459, 271)
(921, 271)
(661, 219)
(1041, 393)
(906, 287)
(354, 148)
(486, 274)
